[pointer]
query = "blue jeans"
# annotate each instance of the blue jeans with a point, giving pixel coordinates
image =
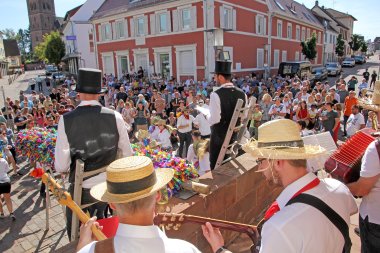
(369, 236)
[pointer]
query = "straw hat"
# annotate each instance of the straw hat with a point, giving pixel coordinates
(372, 104)
(130, 179)
(281, 139)
(142, 134)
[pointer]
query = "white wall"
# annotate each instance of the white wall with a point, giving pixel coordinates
(87, 10)
(83, 43)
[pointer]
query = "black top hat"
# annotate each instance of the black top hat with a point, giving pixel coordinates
(89, 81)
(223, 67)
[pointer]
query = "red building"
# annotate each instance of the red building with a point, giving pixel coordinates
(177, 38)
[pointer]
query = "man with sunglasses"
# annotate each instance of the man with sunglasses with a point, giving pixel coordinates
(309, 215)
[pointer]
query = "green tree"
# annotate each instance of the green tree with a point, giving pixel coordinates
(9, 34)
(39, 50)
(339, 48)
(309, 47)
(55, 47)
(24, 43)
(355, 43)
(364, 48)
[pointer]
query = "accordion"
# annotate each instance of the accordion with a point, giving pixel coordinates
(344, 164)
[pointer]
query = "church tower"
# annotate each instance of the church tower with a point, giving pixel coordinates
(41, 19)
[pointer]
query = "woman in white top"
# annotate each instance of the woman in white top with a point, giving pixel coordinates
(198, 153)
(163, 136)
(5, 189)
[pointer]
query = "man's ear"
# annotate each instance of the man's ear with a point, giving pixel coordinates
(158, 196)
(112, 205)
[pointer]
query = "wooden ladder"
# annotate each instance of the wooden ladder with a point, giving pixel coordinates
(232, 149)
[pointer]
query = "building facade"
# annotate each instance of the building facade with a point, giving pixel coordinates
(3, 62)
(179, 38)
(77, 34)
(292, 23)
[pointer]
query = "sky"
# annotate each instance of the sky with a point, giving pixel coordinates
(14, 14)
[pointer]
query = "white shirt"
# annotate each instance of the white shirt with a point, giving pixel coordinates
(204, 163)
(155, 132)
(354, 122)
(164, 138)
(62, 149)
(4, 168)
(302, 228)
(182, 121)
(370, 205)
(215, 109)
(274, 108)
(144, 239)
(204, 126)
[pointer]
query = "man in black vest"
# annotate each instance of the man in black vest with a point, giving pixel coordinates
(221, 112)
(91, 133)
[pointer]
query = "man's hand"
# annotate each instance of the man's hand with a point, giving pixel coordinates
(86, 236)
(213, 236)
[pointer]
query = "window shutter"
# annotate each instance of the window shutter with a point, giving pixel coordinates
(169, 21)
(265, 26)
(126, 35)
(114, 35)
(257, 24)
(234, 19)
(175, 21)
(194, 17)
(221, 9)
(100, 33)
(146, 31)
(152, 23)
(133, 28)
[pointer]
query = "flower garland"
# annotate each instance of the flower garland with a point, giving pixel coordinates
(37, 144)
(183, 170)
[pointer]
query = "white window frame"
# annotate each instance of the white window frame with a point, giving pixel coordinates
(276, 62)
(141, 51)
(303, 34)
(104, 35)
(279, 31)
(162, 50)
(298, 32)
(181, 20)
(137, 33)
(308, 33)
(117, 30)
(120, 54)
(289, 34)
(284, 56)
(261, 50)
(260, 23)
(178, 49)
(108, 54)
(297, 56)
(229, 23)
(159, 22)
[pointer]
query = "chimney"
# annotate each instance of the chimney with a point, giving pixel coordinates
(316, 3)
(323, 7)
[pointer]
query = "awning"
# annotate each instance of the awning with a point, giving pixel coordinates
(69, 56)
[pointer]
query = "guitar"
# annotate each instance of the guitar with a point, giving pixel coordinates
(174, 221)
(65, 199)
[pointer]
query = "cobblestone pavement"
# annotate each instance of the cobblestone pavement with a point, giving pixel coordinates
(27, 233)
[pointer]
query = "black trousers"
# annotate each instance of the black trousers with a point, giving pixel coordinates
(97, 209)
(39, 86)
(216, 143)
(345, 119)
(369, 235)
(184, 143)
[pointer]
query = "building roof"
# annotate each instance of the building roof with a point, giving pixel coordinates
(71, 12)
(339, 14)
(376, 40)
(322, 21)
(11, 48)
(295, 10)
(322, 8)
(114, 7)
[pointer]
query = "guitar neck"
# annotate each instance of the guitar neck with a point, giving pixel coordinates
(233, 226)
